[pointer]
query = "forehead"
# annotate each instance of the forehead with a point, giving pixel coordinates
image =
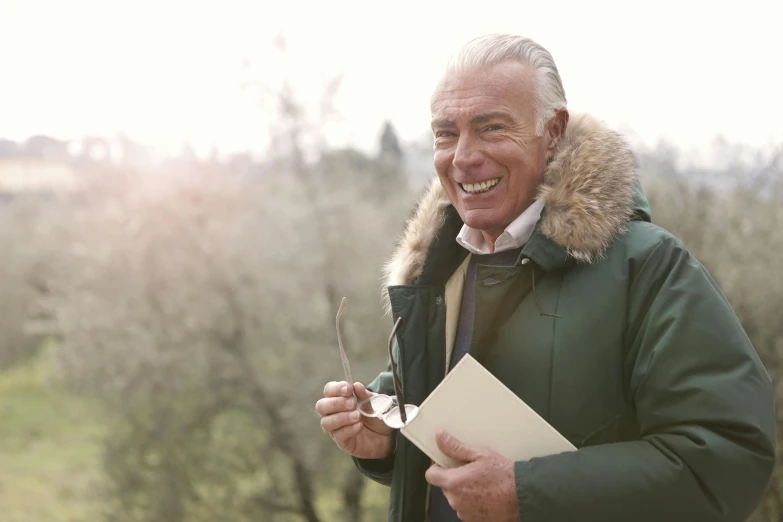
(504, 87)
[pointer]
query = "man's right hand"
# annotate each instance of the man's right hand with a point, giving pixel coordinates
(358, 435)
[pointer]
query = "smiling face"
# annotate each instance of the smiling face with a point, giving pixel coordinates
(487, 155)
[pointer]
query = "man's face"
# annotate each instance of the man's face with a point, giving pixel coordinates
(487, 155)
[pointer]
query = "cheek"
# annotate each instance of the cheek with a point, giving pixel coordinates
(449, 189)
(442, 162)
(526, 170)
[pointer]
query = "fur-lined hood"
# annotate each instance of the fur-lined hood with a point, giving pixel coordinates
(588, 189)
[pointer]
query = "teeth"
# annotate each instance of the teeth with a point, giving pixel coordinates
(474, 188)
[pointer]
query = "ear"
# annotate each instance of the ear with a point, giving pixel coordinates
(556, 128)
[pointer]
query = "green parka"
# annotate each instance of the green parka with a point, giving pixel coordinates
(645, 368)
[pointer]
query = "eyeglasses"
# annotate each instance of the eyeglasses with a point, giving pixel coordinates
(379, 405)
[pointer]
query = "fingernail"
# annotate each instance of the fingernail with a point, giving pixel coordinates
(354, 416)
(345, 389)
(349, 403)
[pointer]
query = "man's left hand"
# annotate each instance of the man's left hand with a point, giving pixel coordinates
(482, 489)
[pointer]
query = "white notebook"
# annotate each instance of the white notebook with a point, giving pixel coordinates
(477, 409)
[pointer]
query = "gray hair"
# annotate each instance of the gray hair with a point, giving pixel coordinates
(489, 50)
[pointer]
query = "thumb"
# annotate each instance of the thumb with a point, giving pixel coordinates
(361, 392)
(454, 448)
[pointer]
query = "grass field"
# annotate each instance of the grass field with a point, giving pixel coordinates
(50, 455)
(49, 451)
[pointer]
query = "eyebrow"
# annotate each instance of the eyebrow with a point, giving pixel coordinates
(480, 118)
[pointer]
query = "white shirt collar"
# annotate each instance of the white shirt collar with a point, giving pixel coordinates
(516, 234)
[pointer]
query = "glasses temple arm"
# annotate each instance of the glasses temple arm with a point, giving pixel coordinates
(395, 376)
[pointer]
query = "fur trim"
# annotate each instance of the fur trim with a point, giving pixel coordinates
(407, 262)
(588, 189)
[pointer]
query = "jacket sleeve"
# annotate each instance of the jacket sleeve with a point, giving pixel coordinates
(380, 470)
(704, 404)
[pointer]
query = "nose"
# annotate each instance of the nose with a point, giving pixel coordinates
(468, 154)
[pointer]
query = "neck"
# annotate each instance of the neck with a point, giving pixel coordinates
(490, 236)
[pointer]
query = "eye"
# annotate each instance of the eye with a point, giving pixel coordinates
(444, 134)
(493, 127)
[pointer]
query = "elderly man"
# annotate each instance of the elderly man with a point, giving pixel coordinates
(534, 252)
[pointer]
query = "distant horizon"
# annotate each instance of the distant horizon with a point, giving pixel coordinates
(707, 157)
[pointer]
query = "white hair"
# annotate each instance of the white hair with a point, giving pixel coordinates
(492, 49)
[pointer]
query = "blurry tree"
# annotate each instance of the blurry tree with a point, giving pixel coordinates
(45, 147)
(389, 177)
(734, 230)
(28, 226)
(8, 148)
(200, 306)
(390, 145)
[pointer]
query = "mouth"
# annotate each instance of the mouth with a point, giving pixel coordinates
(478, 188)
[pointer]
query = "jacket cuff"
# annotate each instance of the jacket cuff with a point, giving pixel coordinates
(379, 470)
(524, 500)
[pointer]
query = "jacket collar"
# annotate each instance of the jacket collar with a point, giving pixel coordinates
(591, 191)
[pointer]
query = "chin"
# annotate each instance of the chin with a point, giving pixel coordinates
(480, 220)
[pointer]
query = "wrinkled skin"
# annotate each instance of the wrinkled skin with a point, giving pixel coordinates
(484, 125)
(481, 490)
(355, 434)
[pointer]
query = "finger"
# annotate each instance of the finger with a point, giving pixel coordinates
(331, 405)
(337, 389)
(342, 435)
(332, 423)
(438, 477)
(454, 448)
(362, 392)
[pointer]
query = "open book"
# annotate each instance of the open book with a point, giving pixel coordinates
(476, 408)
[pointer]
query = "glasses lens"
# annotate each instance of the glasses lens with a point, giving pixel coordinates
(375, 406)
(393, 419)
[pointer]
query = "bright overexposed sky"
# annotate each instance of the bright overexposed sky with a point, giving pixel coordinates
(165, 71)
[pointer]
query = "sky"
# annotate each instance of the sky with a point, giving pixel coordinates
(166, 72)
